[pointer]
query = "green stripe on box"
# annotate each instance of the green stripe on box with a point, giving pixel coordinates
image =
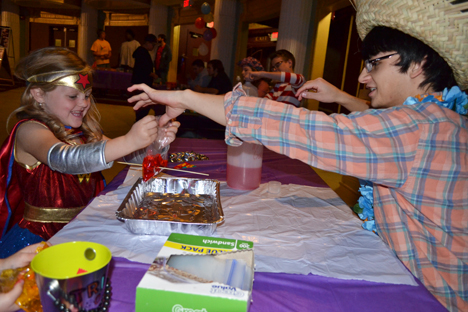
(148, 300)
(213, 242)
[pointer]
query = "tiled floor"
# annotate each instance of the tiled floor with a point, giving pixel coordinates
(116, 120)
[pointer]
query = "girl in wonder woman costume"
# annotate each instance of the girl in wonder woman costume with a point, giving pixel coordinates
(51, 161)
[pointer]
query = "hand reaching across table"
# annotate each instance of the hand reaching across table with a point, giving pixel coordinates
(177, 102)
(323, 91)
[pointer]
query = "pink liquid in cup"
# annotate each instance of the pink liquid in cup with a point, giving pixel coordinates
(243, 178)
(244, 166)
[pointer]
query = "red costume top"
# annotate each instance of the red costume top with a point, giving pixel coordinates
(37, 197)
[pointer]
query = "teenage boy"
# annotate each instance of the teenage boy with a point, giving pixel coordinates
(414, 147)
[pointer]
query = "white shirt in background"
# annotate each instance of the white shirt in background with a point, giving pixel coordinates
(126, 51)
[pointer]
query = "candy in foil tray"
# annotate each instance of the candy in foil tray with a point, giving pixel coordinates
(162, 206)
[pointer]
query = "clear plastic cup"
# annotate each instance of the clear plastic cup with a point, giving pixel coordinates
(274, 187)
(244, 166)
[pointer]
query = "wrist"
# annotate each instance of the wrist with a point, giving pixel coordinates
(184, 99)
(343, 98)
(127, 143)
(260, 74)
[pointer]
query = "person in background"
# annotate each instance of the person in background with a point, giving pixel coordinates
(249, 65)
(102, 50)
(127, 48)
(287, 82)
(220, 82)
(18, 260)
(202, 78)
(52, 160)
(163, 58)
(143, 68)
(143, 73)
(412, 145)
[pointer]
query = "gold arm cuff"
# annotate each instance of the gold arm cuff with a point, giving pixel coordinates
(48, 215)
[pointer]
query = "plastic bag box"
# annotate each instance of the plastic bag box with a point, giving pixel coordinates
(198, 274)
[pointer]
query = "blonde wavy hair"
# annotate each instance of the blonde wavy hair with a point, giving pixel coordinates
(53, 60)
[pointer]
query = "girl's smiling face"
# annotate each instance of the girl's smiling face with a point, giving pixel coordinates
(67, 104)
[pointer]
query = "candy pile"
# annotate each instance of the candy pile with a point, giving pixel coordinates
(184, 165)
(151, 166)
(186, 156)
(176, 207)
(29, 299)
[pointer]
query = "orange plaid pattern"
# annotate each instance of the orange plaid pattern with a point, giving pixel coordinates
(415, 155)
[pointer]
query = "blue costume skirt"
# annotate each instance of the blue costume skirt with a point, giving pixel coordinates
(16, 239)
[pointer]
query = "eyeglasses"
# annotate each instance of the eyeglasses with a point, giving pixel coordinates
(370, 63)
(277, 65)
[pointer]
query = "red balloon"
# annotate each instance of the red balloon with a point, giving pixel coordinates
(200, 22)
(213, 31)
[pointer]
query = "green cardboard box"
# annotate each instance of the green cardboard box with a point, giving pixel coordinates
(177, 281)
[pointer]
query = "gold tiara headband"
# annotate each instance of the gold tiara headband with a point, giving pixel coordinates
(81, 81)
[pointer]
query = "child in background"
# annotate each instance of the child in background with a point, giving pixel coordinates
(249, 65)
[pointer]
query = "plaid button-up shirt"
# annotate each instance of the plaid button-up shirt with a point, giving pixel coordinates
(416, 156)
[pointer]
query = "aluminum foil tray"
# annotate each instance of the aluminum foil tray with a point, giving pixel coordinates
(161, 206)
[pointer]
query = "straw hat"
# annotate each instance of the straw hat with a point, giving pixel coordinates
(438, 23)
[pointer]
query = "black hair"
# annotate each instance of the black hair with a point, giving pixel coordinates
(198, 63)
(130, 32)
(438, 74)
(162, 36)
(99, 32)
(150, 38)
(285, 55)
(218, 65)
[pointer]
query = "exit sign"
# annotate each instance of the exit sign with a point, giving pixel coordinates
(274, 36)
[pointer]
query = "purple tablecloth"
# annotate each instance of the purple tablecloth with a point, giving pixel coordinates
(111, 80)
(115, 80)
(275, 166)
(277, 291)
